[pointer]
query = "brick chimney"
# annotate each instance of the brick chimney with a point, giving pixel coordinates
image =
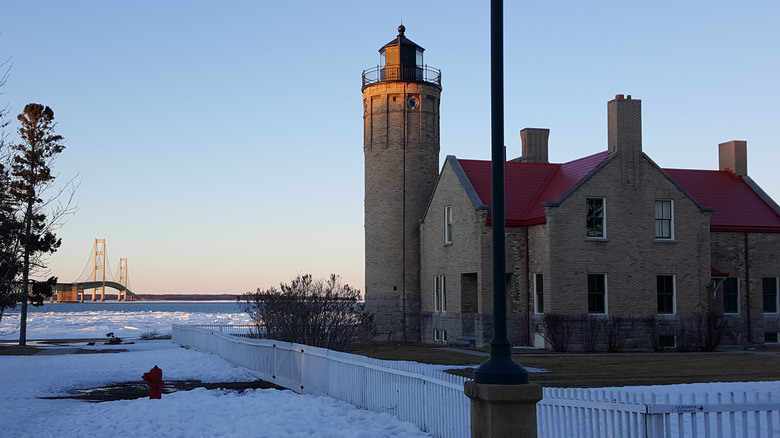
(535, 145)
(624, 135)
(732, 156)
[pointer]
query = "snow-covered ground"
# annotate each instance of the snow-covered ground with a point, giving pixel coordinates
(196, 413)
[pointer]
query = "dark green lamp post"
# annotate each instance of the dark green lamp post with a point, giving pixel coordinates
(500, 368)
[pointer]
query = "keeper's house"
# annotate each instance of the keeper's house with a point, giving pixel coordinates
(607, 234)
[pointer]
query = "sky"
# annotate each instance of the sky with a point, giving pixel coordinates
(218, 144)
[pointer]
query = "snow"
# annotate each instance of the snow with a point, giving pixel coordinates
(200, 412)
(94, 320)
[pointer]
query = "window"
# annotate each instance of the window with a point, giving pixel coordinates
(665, 292)
(439, 293)
(770, 338)
(443, 284)
(468, 293)
(664, 223)
(436, 335)
(595, 218)
(730, 295)
(770, 295)
(667, 341)
(539, 292)
(597, 293)
(436, 294)
(444, 335)
(448, 224)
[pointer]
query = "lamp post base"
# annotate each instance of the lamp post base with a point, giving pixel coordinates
(503, 410)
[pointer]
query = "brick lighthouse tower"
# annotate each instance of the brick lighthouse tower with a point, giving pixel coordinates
(401, 146)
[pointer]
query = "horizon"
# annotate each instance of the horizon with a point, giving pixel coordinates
(220, 145)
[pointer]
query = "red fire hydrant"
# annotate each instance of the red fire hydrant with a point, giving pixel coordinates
(154, 380)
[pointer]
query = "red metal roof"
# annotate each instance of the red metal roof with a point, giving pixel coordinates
(736, 206)
(528, 185)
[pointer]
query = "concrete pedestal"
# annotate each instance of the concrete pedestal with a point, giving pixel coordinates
(503, 410)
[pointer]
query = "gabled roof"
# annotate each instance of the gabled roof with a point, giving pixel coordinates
(738, 204)
(528, 185)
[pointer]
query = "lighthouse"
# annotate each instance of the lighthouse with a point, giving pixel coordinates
(401, 98)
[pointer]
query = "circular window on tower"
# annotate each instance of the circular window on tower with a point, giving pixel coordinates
(412, 102)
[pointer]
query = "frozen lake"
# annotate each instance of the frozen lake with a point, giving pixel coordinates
(129, 319)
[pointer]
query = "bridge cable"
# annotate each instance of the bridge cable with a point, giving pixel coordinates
(91, 255)
(108, 262)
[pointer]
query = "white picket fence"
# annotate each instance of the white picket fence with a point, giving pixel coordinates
(436, 403)
(431, 399)
(585, 413)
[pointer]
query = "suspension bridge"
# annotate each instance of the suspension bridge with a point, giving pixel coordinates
(96, 280)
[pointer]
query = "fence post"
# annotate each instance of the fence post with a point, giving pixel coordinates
(503, 410)
(654, 422)
(654, 425)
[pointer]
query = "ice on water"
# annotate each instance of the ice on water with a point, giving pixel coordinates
(125, 320)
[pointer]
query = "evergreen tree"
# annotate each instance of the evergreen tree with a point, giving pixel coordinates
(9, 225)
(9, 248)
(31, 175)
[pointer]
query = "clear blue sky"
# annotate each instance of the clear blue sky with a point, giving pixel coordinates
(219, 143)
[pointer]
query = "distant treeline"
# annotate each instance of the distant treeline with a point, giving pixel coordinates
(185, 297)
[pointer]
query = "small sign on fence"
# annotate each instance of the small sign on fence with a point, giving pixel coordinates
(687, 409)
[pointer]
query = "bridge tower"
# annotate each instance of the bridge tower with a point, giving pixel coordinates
(401, 147)
(122, 279)
(99, 270)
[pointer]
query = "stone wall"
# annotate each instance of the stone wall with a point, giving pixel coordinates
(629, 255)
(463, 256)
(750, 267)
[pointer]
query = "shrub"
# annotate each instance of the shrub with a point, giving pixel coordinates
(710, 329)
(616, 330)
(686, 335)
(660, 330)
(556, 329)
(590, 332)
(320, 313)
(154, 334)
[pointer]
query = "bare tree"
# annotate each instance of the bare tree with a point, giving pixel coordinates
(320, 313)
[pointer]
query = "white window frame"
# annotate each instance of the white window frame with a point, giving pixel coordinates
(606, 294)
(440, 293)
(777, 295)
(436, 296)
(674, 293)
(603, 218)
(657, 219)
(436, 335)
(538, 287)
(444, 335)
(447, 224)
(443, 285)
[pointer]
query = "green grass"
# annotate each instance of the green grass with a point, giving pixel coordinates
(605, 369)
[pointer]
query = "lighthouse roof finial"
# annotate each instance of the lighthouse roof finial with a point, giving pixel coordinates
(401, 29)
